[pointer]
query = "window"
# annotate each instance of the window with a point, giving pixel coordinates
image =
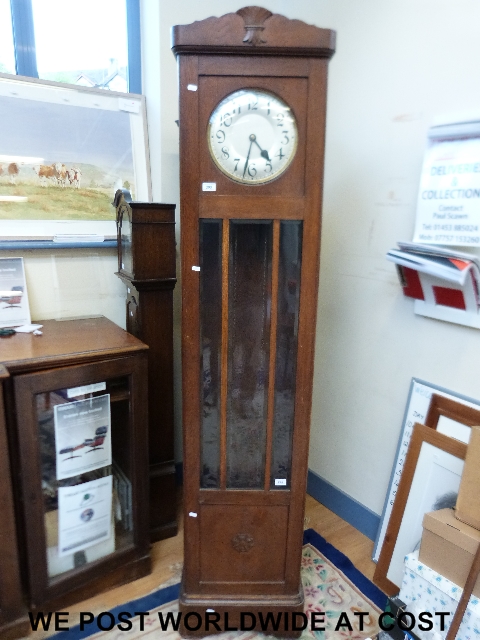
(7, 55)
(93, 44)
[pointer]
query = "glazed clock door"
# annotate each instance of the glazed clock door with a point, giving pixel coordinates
(248, 445)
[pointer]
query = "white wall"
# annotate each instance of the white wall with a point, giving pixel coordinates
(398, 64)
(68, 283)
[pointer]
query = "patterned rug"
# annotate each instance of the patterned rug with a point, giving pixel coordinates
(337, 595)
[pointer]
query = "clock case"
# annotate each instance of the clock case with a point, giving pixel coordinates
(147, 266)
(243, 546)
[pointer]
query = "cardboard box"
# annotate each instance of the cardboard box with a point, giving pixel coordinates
(468, 501)
(425, 590)
(448, 546)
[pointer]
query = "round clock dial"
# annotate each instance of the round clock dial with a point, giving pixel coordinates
(252, 136)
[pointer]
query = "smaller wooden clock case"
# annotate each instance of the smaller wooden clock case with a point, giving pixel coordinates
(146, 265)
(250, 264)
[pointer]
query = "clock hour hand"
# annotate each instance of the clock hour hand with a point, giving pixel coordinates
(263, 152)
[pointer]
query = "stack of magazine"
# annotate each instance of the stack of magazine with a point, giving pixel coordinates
(453, 266)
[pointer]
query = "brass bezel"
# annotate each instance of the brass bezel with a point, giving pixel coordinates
(267, 179)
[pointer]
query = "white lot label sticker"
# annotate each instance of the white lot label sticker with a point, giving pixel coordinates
(88, 388)
(280, 482)
(192, 87)
(132, 106)
(209, 186)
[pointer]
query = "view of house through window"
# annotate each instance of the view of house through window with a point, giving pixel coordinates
(7, 56)
(87, 46)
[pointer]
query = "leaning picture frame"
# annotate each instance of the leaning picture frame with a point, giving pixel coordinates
(417, 409)
(449, 416)
(64, 152)
(433, 469)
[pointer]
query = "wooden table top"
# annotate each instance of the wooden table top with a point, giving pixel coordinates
(66, 341)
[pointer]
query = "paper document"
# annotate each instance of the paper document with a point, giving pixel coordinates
(83, 439)
(84, 515)
(14, 309)
(448, 206)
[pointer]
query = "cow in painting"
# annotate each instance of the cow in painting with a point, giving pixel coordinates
(13, 172)
(45, 173)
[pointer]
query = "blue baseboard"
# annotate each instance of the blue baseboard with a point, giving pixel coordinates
(356, 514)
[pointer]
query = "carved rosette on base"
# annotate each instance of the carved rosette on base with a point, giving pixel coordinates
(242, 542)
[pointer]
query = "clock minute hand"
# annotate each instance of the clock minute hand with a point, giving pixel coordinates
(248, 156)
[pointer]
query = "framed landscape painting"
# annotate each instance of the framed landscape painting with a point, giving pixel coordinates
(64, 151)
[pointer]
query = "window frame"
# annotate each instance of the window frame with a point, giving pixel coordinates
(25, 51)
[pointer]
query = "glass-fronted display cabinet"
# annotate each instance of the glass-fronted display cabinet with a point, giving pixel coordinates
(82, 453)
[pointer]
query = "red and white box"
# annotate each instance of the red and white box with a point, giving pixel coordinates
(444, 284)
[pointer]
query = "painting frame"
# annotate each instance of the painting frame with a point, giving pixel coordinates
(416, 410)
(421, 435)
(448, 408)
(108, 107)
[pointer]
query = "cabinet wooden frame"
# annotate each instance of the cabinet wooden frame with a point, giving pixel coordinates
(214, 59)
(421, 434)
(123, 565)
(13, 620)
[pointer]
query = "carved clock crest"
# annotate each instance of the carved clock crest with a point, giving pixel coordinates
(254, 18)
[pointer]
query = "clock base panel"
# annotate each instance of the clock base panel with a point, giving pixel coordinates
(230, 609)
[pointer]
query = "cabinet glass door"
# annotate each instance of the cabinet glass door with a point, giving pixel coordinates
(249, 310)
(86, 476)
(83, 454)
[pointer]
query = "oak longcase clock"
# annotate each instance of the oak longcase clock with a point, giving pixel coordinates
(252, 123)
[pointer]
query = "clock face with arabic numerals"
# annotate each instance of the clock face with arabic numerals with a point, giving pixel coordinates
(252, 136)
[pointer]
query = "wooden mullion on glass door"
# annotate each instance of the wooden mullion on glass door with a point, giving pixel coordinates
(224, 355)
(273, 353)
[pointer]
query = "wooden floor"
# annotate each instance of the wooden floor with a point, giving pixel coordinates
(167, 556)
(342, 535)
